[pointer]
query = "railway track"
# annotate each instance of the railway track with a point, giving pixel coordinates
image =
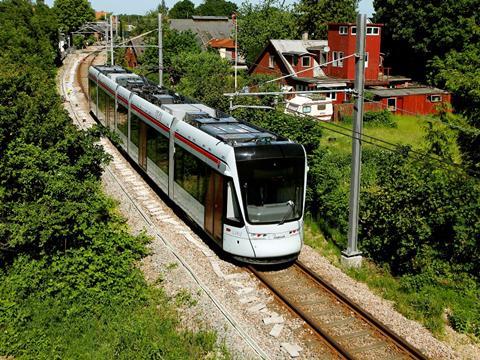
(352, 332)
(78, 115)
(346, 328)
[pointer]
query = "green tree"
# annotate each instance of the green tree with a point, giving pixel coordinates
(259, 23)
(162, 8)
(313, 15)
(216, 8)
(182, 10)
(416, 31)
(72, 14)
(174, 42)
(204, 76)
(459, 72)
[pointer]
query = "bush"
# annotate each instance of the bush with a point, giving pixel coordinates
(418, 216)
(382, 118)
(69, 286)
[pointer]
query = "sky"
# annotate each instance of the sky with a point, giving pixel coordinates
(142, 6)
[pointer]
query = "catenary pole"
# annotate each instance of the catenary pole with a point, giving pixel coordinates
(236, 50)
(352, 257)
(160, 51)
(111, 40)
(106, 40)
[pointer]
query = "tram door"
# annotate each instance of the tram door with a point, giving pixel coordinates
(214, 206)
(142, 146)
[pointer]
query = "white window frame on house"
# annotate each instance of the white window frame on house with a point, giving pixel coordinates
(373, 30)
(366, 59)
(306, 109)
(333, 95)
(322, 58)
(271, 61)
(354, 30)
(343, 30)
(340, 58)
(394, 107)
(435, 98)
(334, 58)
(303, 61)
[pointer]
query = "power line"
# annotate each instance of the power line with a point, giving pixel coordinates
(362, 135)
(420, 156)
(304, 70)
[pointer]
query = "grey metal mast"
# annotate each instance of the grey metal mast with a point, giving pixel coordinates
(111, 40)
(106, 40)
(160, 51)
(352, 256)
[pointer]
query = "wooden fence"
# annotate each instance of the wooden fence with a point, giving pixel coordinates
(342, 110)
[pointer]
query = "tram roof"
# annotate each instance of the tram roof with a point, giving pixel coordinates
(214, 122)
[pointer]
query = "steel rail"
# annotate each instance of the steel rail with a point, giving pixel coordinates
(378, 326)
(305, 317)
(340, 349)
(249, 340)
(368, 317)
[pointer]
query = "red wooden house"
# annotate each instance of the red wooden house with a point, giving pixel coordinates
(226, 50)
(342, 40)
(411, 100)
(302, 59)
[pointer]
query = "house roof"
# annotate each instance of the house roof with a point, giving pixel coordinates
(296, 47)
(205, 29)
(209, 18)
(137, 46)
(424, 90)
(222, 43)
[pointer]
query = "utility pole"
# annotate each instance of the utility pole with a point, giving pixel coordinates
(352, 257)
(234, 16)
(160, 51)
(111, 40)
(106, 40)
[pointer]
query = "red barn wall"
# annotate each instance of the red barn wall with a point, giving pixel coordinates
(417, 104)
(346, 44)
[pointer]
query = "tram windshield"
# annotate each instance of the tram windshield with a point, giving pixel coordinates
(272, 189)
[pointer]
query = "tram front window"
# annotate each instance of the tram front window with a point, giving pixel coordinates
(272, 189)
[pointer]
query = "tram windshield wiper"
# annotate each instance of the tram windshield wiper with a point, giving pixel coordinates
(291, 207)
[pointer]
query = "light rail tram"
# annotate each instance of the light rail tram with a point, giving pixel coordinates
(245, 186)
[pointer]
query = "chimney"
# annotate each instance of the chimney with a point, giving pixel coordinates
(305, 35)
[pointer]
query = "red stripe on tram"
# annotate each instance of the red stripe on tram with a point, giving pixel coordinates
(198, 148)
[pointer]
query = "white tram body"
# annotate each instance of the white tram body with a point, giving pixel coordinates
(243, 185)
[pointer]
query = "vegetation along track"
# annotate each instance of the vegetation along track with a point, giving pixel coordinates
(352, 332)
(349, 330)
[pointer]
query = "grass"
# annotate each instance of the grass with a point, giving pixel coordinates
(432, 301)
(121, 332)
(147, 329)
(409, 131)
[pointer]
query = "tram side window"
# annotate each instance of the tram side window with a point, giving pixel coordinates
(122, 119)
(233, 209)
(102, 101)
(157, 148)
(134, 129)
(110, 110)
(92, 91)
(191, 174)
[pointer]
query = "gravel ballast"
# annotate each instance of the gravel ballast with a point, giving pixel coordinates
(213, 293)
